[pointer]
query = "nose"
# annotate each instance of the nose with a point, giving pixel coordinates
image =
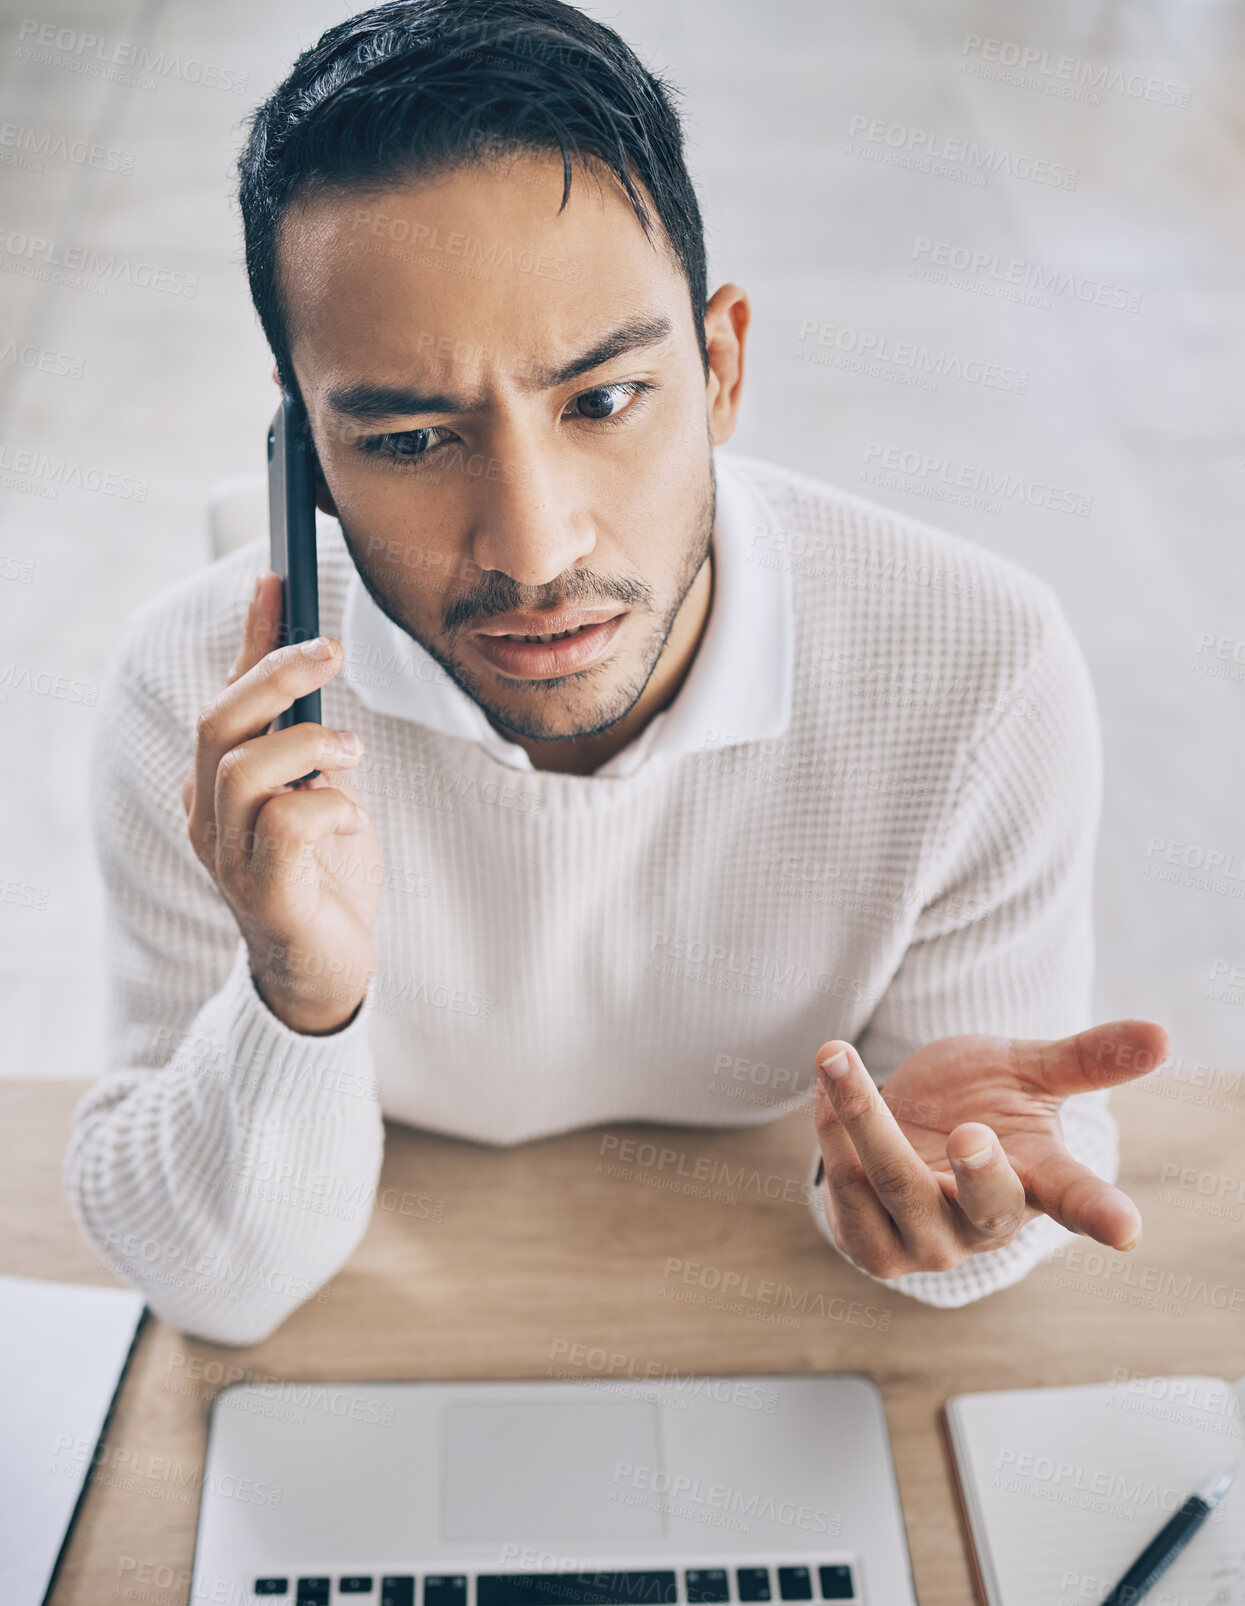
(530, 523)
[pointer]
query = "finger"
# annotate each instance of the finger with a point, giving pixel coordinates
(293, 822)
(247, 707)
(288, 828)
(861, 1226)
(1082, 1201)
(344, 780)
(898, 1175)
(988, 1192)
(255, 771)
(261, 631)
(1101, 1056)
(258, 629)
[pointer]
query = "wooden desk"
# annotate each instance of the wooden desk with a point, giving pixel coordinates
(542, 1264)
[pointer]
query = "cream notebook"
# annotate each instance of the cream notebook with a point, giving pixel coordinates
(1062, 1488)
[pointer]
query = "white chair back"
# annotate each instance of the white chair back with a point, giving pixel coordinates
(237, 512)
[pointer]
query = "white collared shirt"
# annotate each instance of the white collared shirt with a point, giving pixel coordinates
(738, 688)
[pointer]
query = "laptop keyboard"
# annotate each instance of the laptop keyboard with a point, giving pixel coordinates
(706, 1586)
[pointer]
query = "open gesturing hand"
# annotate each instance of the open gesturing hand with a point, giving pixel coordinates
(965, 1146)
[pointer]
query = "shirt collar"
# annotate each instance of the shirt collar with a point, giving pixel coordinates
(738, 688)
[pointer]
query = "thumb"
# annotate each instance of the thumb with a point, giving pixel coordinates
(262, 628)
(1101, 1056)
(1080, 1199)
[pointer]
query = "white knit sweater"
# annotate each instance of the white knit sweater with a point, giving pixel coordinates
(670, 939)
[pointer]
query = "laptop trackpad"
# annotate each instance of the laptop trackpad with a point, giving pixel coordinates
(555, 1470)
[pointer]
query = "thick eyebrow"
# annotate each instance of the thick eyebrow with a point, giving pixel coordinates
(370, 403)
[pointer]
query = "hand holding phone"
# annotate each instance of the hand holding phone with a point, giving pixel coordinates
(295, 855)
(300, 867)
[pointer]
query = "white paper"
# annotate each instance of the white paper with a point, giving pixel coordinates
(62, 1348)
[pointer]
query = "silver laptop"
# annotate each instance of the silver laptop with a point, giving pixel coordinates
(684, 1492)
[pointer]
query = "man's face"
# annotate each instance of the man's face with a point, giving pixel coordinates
(511, 417)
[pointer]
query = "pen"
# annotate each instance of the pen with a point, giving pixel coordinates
(1170, 1540)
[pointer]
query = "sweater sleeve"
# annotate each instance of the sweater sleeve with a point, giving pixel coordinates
(1004, 941)
(223, 1164)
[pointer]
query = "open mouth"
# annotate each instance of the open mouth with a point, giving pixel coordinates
(561, 635)
(554, 653)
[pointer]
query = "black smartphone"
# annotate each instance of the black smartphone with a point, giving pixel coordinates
(292, 536)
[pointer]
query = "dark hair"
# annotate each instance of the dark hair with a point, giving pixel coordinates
(420, 87)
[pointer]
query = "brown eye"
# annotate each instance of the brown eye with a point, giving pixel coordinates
(412, 443)
(408, 445)
(599, 403)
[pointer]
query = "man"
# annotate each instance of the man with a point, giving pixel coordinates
(801, 781)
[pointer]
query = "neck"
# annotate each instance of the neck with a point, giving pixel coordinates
(585, 755)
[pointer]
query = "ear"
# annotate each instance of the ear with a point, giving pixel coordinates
(324, 497)
(727, 316)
